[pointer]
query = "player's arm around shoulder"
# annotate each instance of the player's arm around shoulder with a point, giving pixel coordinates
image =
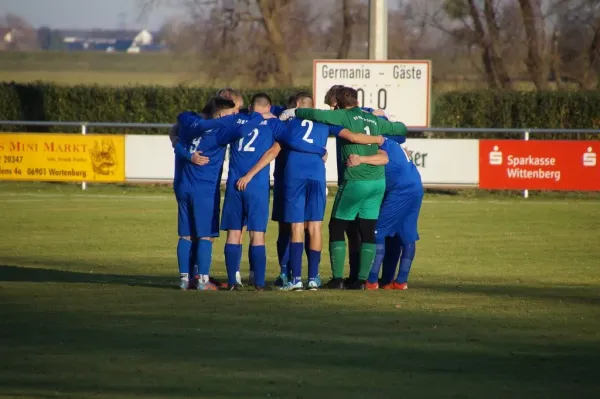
(392, 128)
(358, 138)
(379, 159)
(330, 117)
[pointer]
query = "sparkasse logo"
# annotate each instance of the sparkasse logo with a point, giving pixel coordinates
(496, 156)
(589, 158)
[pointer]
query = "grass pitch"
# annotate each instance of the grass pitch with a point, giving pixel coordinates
(503, 303)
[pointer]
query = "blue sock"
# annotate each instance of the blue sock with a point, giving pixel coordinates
(258, 263)
(283, 251)
(314, 259)
(232, 261)
(408, 255)
(184, 250)
(204, 257)
(393, 249)
(379, 254)
(296, 249)
(193, 261)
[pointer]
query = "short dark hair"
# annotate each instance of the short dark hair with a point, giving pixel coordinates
(261, 99)
(330, 96)
(291, 103)
(347, 97)
(229, 93)
(216, 105)
(293, 100)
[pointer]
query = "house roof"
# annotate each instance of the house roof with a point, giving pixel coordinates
(118, 34)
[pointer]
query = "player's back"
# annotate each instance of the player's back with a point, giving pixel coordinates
(247, 151)
(195, 177)
(358, 121)
(302, 165)
(400, 172)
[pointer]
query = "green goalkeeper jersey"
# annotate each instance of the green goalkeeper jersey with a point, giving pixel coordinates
(358, 121)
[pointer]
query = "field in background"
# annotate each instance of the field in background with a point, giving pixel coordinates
(118, 69)
(503, 303)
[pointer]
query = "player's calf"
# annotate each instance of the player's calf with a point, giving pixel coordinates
(337, 252)
(184, 250)
(257, 255)
(295, 262)
(283, 253)
(204, 257)
(314, 253)
(233, 255)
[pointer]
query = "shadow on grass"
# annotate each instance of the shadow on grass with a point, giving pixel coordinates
(580, 295)
(39, 275)
(246, 345)
(586, 295)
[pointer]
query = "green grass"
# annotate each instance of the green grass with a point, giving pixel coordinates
(504, 303)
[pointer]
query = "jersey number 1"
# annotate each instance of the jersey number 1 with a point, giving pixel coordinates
(248, 147)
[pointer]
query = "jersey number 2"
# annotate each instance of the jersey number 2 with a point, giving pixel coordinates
(306, 137)
(248, 147)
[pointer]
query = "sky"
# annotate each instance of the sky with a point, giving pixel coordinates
(85, 14)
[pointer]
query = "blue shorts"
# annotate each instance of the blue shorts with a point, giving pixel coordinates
(278, 195)
(246, 208)
(399, 214)
(304, 201)
(198, 212)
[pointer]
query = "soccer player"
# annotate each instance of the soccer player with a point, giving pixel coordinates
(247, 199)
(182, 156)
(196, 188)
(362, 190)
(396, 232)
(299, 100)
(352, 231)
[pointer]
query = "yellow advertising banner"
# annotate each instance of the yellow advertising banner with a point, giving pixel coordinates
(62, 157)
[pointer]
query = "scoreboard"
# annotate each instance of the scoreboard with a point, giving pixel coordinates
(401, 88)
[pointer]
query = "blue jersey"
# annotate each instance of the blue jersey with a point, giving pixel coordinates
(247, 151)
(304, 165)
(211, 138)
(400, 172)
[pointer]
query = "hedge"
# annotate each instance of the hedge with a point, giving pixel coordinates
(513, 109)
(135, 104)
(153, 104)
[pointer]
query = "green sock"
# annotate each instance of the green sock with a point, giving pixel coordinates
(367, 255)
(337, 255)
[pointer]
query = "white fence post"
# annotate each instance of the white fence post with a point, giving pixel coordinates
(83, 131)
(526, 138)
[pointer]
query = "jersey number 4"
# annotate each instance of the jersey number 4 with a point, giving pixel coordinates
(248, 147)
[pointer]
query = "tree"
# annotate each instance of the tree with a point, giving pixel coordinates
(237, 35)
(347, 22)
(471, 25)
(577, 43)
(533, 22)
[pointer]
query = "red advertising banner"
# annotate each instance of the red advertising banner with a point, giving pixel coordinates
(539, 165)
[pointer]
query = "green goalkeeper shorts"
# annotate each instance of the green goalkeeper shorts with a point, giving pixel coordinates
(360, 198)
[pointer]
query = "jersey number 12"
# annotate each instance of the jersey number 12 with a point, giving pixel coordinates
(248, 147)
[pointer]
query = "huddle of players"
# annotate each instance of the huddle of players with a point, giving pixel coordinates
(298, 147)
